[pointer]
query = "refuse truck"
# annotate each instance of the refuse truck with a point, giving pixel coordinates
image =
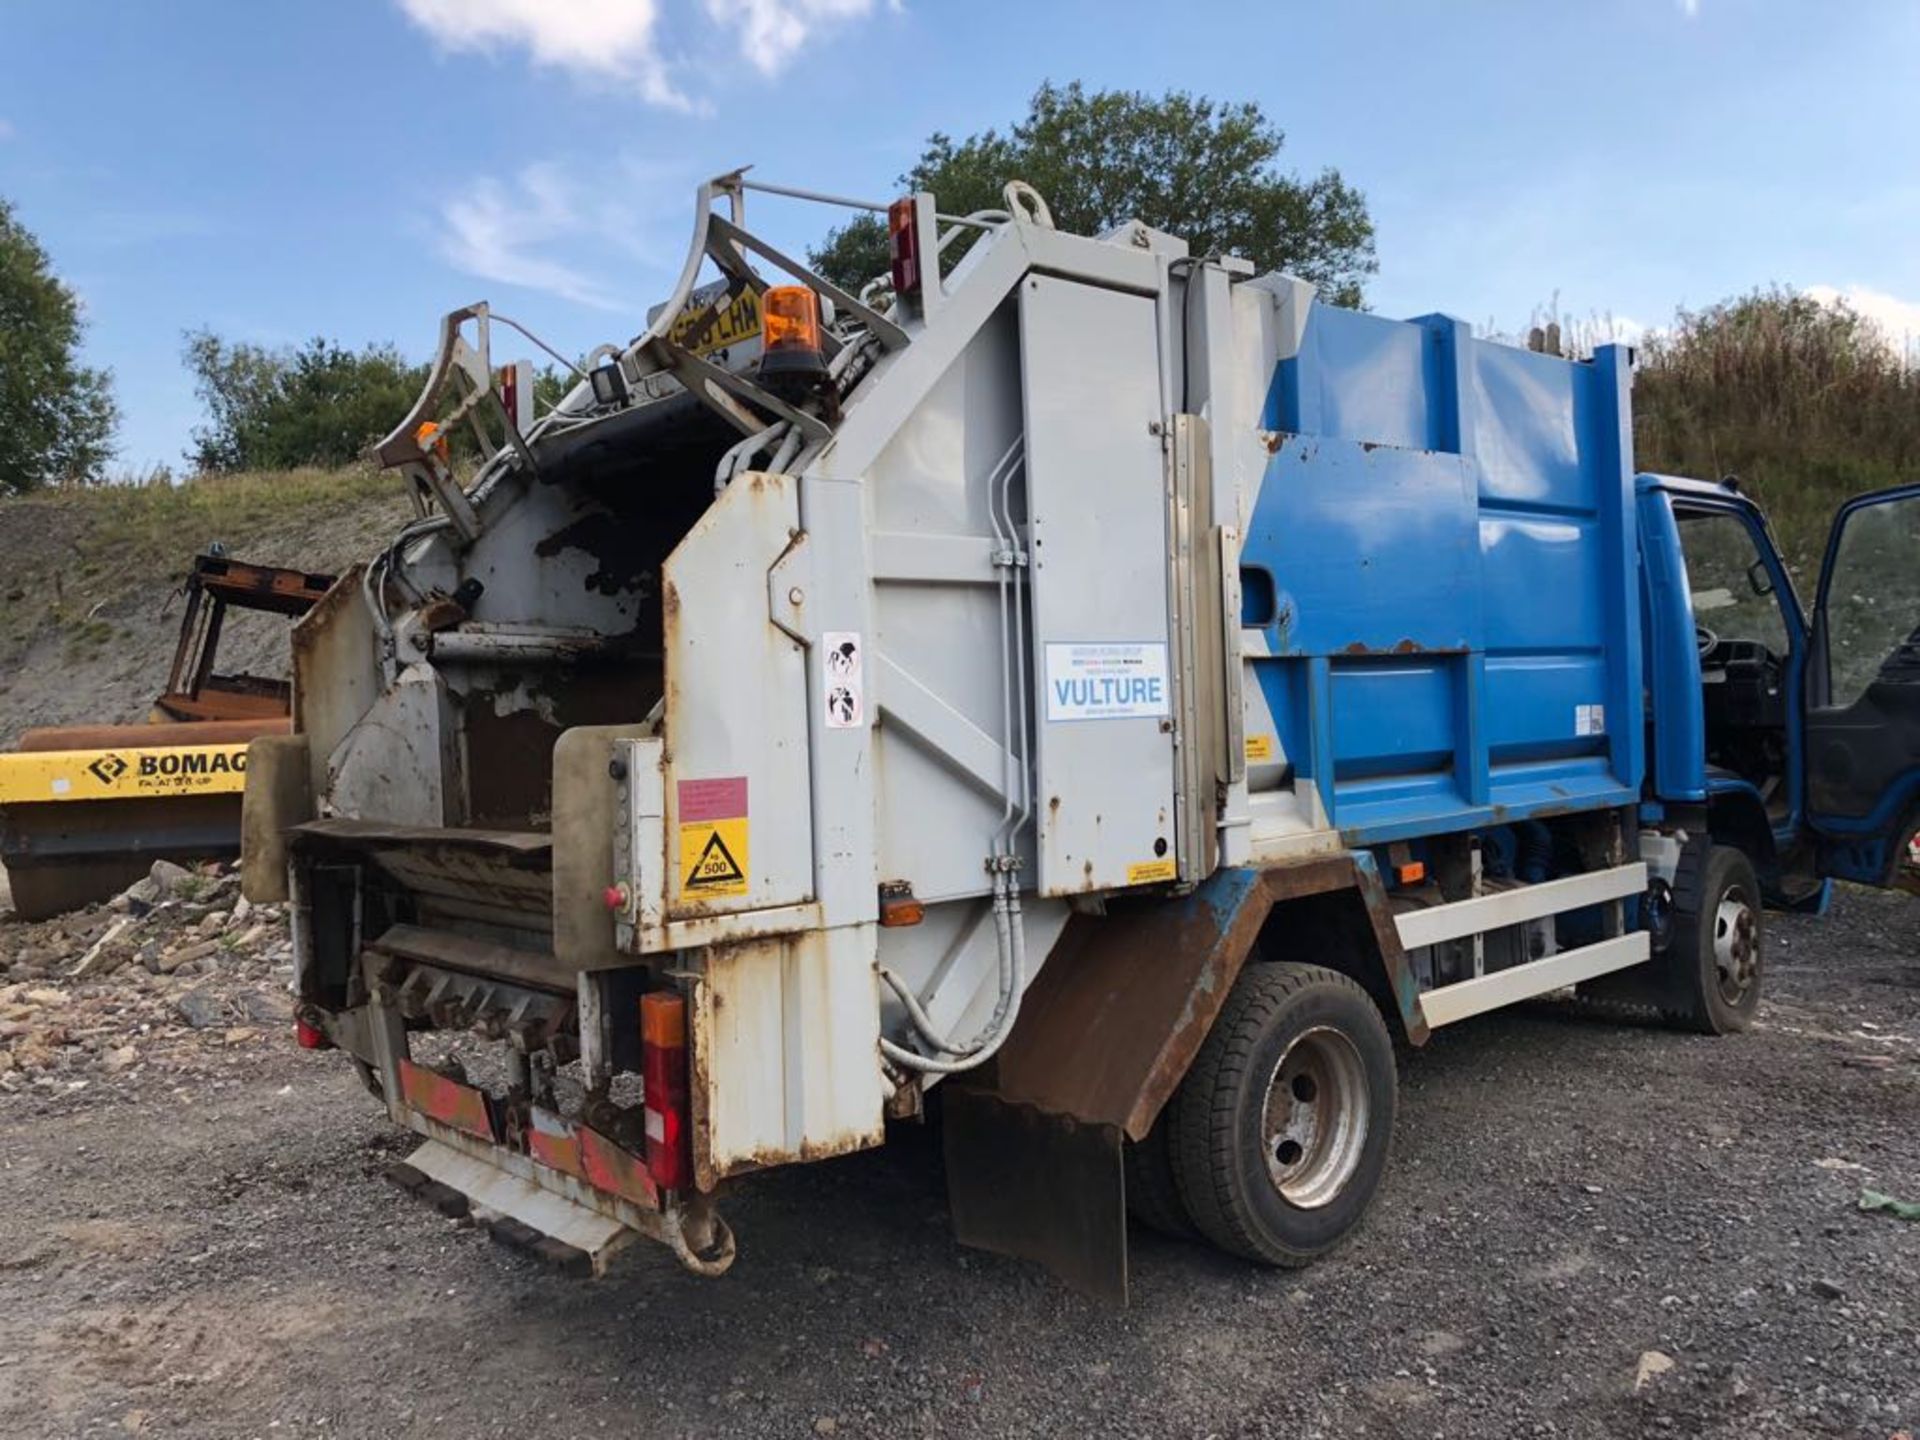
(1075, 691)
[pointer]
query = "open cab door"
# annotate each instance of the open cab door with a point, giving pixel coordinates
(1863, 693)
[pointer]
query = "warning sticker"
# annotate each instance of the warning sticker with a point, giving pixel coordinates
(713, 836)
(1146, 872)
(1259, 747)
(1589, 719)
(845, 685)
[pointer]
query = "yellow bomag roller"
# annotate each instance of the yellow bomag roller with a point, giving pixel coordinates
(86, 809)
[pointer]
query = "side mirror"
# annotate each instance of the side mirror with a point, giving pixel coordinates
(1759, 580)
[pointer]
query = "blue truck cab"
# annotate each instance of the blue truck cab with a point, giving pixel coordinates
(1793, 737)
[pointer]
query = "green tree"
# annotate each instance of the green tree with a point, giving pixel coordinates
(57, 416)
(1199, 169)
(319, 404)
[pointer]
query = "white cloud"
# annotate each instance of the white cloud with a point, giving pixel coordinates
(1690, 8)
(599, 235)
(505, 233)
(617, 42)
(1898, 319)
(1625, 330)
(771, 32)
(610, 40)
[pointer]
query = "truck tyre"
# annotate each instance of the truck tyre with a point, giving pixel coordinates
(1716, 943)
(1153, 1196)
(1281, 1128)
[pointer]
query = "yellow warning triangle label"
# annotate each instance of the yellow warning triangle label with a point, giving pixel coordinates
(716, 865)
(713, 858)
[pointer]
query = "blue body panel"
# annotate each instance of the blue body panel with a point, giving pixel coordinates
(1673, 679)
(1672, 657)
(1446, 532)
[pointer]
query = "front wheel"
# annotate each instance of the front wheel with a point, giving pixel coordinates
(1716, 945)
(1280, 1131)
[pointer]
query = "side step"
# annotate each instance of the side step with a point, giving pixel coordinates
(1448, 1003)
(515, 1212)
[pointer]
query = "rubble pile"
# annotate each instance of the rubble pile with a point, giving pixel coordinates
(176, 975)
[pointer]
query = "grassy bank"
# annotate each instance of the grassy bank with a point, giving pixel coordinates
(68, 557)
(88, 578)
(1806, 403)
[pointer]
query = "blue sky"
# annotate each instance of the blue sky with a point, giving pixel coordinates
(355, 169)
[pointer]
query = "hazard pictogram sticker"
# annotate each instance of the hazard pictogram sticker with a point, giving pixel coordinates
(715, 866)
(713, 837)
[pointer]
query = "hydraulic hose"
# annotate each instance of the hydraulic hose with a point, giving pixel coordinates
(745, 450)
(1016, 984)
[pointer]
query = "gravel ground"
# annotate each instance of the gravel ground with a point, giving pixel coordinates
(1573, 1204)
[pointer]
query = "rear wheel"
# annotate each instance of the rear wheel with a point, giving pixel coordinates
(1717, 944)
(1153, 1195)
(1281, 1128)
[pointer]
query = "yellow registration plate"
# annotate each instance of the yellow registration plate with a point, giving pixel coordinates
(738, 322)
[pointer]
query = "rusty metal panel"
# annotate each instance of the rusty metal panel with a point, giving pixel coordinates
(226, 699)
(739, 804)
(468, 953)
(615, 1169)
(1113, 1021)
(272, 588)
(336, 671)
(448, 1101)
(552, 1140)
(784, 1052)
(1038, 1186)
(277, 798)
(583, 1152)
(502, 875)
(402, 762)
(1401, 980)
(587, 811)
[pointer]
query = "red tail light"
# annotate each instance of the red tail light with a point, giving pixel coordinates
(903, 238)
(310, 1037)
(663, 1065)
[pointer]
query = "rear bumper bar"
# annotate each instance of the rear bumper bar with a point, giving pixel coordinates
(517, 1161)
(560, 1178)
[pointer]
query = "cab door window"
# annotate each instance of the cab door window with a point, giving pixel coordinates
(1744, 644)
(1732, 590)
(1863, 693)
(1872, 594)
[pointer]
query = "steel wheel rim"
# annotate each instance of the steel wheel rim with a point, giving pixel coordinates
(1736, 946)
(1316, 1118)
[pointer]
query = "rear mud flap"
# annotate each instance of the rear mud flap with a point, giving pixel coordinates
(515, 1212)
(1038, 1186)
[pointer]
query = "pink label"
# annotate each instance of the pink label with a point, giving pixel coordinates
(724, 799)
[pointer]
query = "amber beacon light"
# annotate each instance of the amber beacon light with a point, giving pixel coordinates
(790, 331)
